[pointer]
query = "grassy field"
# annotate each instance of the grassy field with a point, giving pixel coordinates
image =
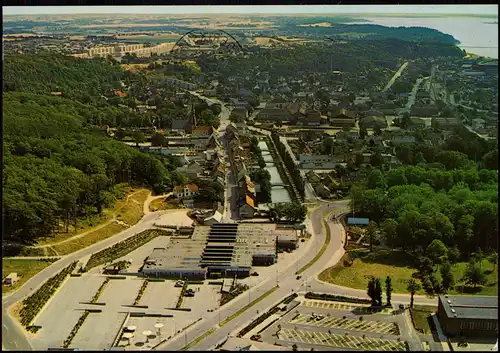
(383, 263)
(420, 316)
(128, 211)
(24, 268)
(162, 204)
(89, 239)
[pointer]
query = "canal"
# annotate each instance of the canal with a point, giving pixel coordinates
(278, 191)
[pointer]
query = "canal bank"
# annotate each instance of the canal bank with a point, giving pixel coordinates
(279, 192)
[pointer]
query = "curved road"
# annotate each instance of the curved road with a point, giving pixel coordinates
(13, 337)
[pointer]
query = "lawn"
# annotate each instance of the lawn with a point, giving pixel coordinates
(24, 268)
(378, 264)
(131, 211)
(420, 316)
(89, 239)
(396, 264)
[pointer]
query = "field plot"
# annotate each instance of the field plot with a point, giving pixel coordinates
(341, 341)
(24, 269)
(120, 292)
(390, 328)
(61, 313)
(161, 295)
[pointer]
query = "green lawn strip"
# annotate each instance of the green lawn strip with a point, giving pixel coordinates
(242, 310)
(420, 317)
(198, 339)
(25, 269)
(323, 248)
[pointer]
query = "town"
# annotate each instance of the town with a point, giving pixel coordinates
(212, 191)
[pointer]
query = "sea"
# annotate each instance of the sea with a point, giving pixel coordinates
(477, 35)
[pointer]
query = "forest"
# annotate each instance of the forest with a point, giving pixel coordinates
(360, 56)
(449, 193)
(58, 163)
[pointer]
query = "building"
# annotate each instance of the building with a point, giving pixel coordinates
(247, 207)
(446, 123)
(468, 316)
(185, 190)
(288, 240)
(353, 221)
(11, 278)
(213, 219)
(373, 122)
(240, 113)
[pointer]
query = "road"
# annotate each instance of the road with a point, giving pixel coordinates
(12, 334)
(413, 94)
(396, 75)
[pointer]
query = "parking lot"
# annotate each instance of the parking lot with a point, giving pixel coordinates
(347, 324)
(160, 295)
(340, 341)
(206, 296)
(336, 325)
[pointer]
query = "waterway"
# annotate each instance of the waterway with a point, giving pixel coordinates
(278, 191)
(476, 35)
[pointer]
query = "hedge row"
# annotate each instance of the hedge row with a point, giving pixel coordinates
(35, 302)
(181, 297)
(258, 321)
(141, 292)
(123, 248)
(337, 298)
(99, 291)
(290, 298)
(73, 332)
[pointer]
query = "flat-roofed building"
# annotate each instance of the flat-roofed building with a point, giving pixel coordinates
(287, 240)
(468, 316)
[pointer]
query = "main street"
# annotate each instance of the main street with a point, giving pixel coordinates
(396, 75)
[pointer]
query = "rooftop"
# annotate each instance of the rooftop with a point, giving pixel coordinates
(470, 307)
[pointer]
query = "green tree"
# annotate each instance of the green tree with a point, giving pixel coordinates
(376, 179)
(412, 287)
(389, 230)
(372, 293)
(447, 279)
(490, 160)
(138, 138)
(474, 274)
(376, 159)
(388, 289)
(378, 291)
(371, 233)
(494, 259)
(437, 251)
(158, 139)
(363, 133)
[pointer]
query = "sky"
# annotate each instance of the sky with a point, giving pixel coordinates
(289, 9)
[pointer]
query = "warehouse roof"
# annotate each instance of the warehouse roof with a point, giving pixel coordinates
(470, 307)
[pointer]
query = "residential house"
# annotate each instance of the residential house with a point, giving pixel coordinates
(202, 131)
(313, 118)
(322, 191)
(402, 139)
(247, 207)
(345, 135)
(416, 123)
(446, 123)
(373, 122)
(213, 219)
(11, 278)
(310, 135)
(424, 111)
(188, 190)
(240, 113)
(183, 126)
(341, 123)
(193, 169)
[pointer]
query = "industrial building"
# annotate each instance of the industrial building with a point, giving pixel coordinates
(219, 250)
(468, 316)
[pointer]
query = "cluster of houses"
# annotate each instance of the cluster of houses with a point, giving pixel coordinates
(243, 163)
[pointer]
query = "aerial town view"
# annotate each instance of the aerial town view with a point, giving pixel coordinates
(233, 178)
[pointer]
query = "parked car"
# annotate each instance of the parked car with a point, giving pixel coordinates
(254, 274)
(299, 277)
(179, 283)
